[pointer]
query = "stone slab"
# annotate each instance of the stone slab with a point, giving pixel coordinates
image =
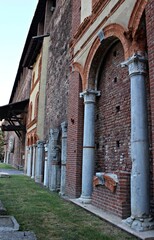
(17, 236)
(8, 223)
(4, 175)
(2, 209)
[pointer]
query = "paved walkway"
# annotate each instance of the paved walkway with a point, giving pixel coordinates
(11, 171)
(147, 235)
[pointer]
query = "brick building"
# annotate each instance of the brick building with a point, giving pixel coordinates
(89, 77)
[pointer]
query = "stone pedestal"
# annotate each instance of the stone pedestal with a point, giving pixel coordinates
(88, 144)
(140, 219)
(63, 158)
(53, 160)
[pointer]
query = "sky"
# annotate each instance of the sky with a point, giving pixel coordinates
(15, 20)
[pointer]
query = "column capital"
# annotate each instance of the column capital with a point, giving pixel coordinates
(54, 133)
(137, 64)
(40, 144)
(89, 95)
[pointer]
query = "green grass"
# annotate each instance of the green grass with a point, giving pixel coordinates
(5, 166)
(51, 217)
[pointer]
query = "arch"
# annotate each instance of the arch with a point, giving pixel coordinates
(112, 32)
(28, 141)
(35, 138)
(36, 105)
(136, 16)
(30, 112)
(79, 68)
(31, 140)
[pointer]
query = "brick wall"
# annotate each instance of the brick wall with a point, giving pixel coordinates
(76, 15)
(117, 202)
(75, 137)
(75, 121)
(58, 68)
(113, 114)
(113, 132)
(150, 44)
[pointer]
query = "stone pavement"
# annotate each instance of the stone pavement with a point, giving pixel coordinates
(17, 236)
(146, 235)
(11, 171)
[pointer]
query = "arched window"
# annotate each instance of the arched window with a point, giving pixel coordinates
(30, 112)
(39, 67)
(36, 105)
(33, 80)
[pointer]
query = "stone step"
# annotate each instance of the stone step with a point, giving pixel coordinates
(8, 223)
(17, 236)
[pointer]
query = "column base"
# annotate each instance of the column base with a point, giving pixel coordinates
(61, 193)
(86, 200)
(38, 179)
(140, 224)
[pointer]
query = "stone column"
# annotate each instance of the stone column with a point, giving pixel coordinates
(39, 162)
(7, 157)
(29, 161)
(53, 159)
(140, 182)
(33, 161)
(46, 178)
(88, 144)
(63, 158)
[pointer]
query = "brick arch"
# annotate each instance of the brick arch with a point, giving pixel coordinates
(36, 105)
(112, 32)
(136, 16)
(79, 68)
(35, 138)
(30, 112)
(31, 140)
(28, 141)
(118, 31)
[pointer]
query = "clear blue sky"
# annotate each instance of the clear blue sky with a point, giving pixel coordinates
(15, 20)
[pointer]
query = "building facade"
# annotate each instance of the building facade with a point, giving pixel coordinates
(90, 115)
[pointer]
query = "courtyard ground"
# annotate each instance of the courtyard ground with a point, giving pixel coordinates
(51, 217)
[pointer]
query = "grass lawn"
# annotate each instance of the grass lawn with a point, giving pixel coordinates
(6, 166)
(49, 216)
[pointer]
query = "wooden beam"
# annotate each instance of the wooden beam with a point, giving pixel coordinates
(13, 128)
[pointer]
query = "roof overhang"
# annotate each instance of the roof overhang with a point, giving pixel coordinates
(33, 50)
(13, 114)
